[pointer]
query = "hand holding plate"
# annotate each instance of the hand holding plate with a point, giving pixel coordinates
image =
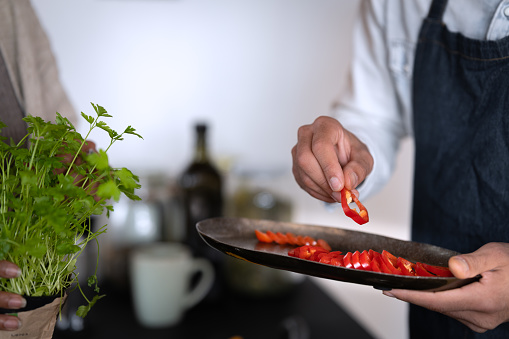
(481, 305)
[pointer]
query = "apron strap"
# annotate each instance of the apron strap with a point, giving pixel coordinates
(437, 9)
(10, 109)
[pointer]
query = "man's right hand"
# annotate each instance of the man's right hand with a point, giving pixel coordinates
(327, 158)
(10, 300)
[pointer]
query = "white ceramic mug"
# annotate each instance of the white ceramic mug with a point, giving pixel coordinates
(160, 276)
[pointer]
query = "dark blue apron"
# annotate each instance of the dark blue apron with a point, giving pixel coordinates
(461, 123)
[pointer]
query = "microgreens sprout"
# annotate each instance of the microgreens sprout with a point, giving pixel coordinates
(49, 191)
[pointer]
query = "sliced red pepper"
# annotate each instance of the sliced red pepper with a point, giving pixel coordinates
(356, 260)
(276, 238)
(360, 217)
(292, 239)
(336, 254)
(391, 262)
(309, 240)
(324, 244)
(333, 258)
(324, 257)
(438, 270)
(383, 267)
(375, 266)
(283, 238)
(304, 252)
(294, 252)
(384, 262)
(373, 254)
(337, 261)
(316, 251)
(309, 252)
(365, 261)
(421, 271)
(406, 267)
(300, 240)
(262, 236)
(389, 258)
(347, 260)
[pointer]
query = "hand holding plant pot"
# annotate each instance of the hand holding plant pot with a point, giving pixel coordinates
(9, 270)
(10, 300)
(45, 211)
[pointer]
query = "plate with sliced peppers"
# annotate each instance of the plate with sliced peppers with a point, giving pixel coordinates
(333, 253)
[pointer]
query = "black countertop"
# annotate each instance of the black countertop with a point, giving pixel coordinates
(304, 313)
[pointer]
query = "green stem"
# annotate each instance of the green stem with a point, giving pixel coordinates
(92, 126)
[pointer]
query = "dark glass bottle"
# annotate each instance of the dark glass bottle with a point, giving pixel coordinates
(201, 185)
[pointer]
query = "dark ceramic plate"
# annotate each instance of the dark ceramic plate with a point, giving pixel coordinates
(236, 237)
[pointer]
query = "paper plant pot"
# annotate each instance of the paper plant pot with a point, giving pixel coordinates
(38, 318)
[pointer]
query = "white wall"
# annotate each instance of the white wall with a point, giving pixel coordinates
(255, 69)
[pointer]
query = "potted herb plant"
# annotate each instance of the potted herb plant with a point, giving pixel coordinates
(49, 190)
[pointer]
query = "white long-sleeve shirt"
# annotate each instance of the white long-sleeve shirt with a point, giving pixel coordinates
(377, 105)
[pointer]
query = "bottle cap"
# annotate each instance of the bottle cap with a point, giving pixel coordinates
(201, 127)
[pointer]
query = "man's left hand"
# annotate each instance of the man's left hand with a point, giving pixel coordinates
(481, 305)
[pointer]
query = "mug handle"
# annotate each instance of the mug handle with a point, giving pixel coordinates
(203, 286)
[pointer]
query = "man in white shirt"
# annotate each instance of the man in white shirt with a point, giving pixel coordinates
(445, 86)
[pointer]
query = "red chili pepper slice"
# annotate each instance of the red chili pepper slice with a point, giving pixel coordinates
(383, 267)
(263, 237)
(406, 267)
(324, 244)
(365, 261)
(391, 262)
(304, 252)
(282, 238)
(337, 261)
(324, 257)
(375, 266)
(372, 254)
(421, 271)
(356, 260)
(307, 252)
(317, 250)
(292, 238)
(347, 260)
(277, 238)
(360, 217)
(389, 258)
(438, 270)
(300, 240)
(309, 240)
(294, 252)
